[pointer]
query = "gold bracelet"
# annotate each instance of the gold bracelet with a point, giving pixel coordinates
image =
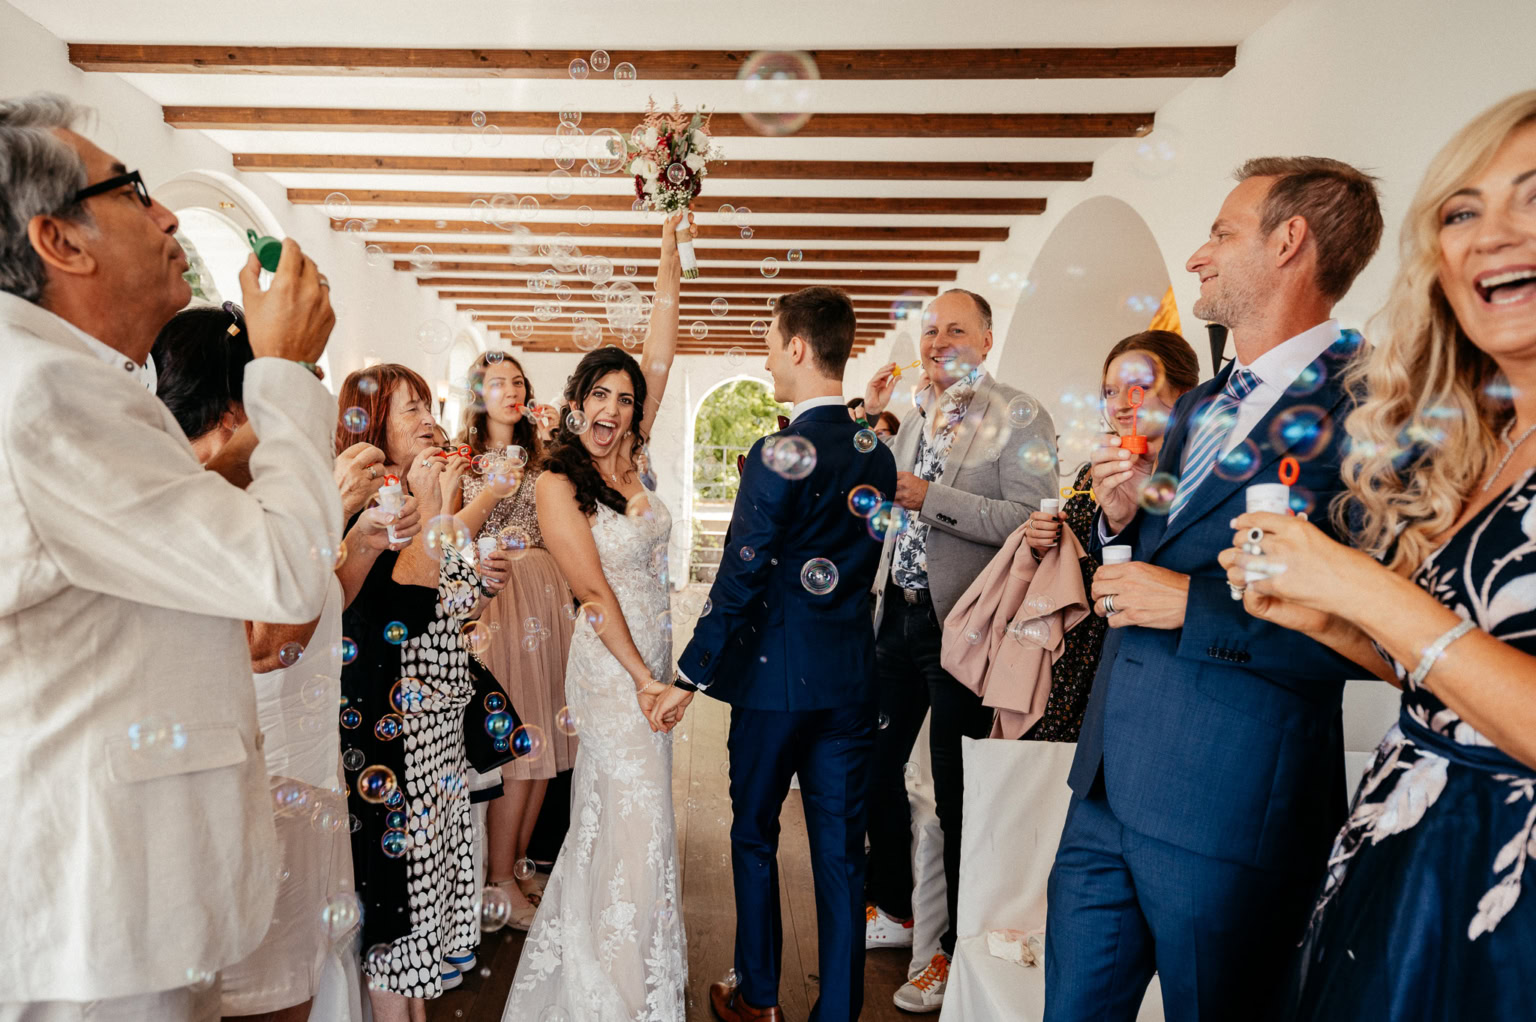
(643, 689)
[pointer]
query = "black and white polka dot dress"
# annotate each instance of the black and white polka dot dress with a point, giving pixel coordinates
(433, 805)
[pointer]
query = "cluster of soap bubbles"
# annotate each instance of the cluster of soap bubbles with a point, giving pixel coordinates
(582, 68)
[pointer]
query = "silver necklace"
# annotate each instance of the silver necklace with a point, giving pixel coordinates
(1511, 448)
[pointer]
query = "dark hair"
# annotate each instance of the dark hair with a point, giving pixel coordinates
(568, 455)
(854, 403)
(200, 358)
(474, 430)
(374, 401)
(1339, 204)
(824, 318)
(982, 305)
(1175, 358)
(891, 422)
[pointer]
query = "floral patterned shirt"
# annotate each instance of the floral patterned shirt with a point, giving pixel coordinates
(909, 562)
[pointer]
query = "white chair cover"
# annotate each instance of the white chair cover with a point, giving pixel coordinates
(1016, 799)
(1370, 708)
(930, 911)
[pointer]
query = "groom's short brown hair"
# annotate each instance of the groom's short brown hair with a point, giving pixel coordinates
(823, 317)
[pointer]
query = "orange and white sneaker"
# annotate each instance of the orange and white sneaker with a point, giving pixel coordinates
(924, 992)
(881, 930)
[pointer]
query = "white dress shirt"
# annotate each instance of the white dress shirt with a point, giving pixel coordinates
(1276, 370)
(146, 375)
(127, 572)
(801, 407)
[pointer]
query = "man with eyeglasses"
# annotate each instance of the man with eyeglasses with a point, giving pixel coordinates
(139, 840)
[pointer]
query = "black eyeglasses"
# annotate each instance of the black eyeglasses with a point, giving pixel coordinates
(113, 183)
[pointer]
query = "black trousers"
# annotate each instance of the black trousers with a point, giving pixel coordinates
(910, 682)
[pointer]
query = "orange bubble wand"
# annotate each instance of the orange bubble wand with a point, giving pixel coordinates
(896, 373)
(1135, 443)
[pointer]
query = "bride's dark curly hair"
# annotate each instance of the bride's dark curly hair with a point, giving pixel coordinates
(568, 456)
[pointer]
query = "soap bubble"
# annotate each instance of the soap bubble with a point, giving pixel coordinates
(568, 721)
(888, 517)
(558, 184)
(779, 89)
(395, 633)
(769, 266)
(1031, 632)
(350, 718)
(528, 742)
(1158, 154)
(434, 336)
(818, 576)
(605, 150)
(290, 654)
(759, 328)
(1022, 411)
(475, 637)
(393, 843)
(527, 208)
(1040, 604)
(1037, 457)
(794, 255)
(592, 614)
(421, 257)
(625, 72)
(1157, 492)
(719, 306)
(442, 532)
(352, 759)
(587, 334)
(792, 457)
(579, 69)
(354, 420)
(340, 914)
(1309, 380)
(736, 355)
(338, 206)
(747, 553)
(972, 638)
(495, 905)
(699, 330)
(499, 724)
(599, 60)
(376, 783)
(677, 173)
(865, 441)
(576, 422)
(389, 727)
(373, 254)
(864, 500)
(1240, 464)
(1302, 431)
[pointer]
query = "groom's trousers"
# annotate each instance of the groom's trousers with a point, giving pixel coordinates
(830, 750)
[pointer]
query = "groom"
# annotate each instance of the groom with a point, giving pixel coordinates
(789, 646)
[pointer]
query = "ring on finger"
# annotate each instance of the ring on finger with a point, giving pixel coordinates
(1109, 605)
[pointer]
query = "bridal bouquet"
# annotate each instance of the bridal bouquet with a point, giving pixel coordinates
(671, 154)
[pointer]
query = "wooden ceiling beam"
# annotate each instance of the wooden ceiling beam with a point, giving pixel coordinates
(691, 288)
(803, 204)
(702, 232)
(936, 64)
(752, 255)
(769, 170)
(706, 273)
(509, 306)
(722, 125)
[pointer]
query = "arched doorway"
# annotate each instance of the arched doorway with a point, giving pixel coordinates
(733, 416)
(1100, 276)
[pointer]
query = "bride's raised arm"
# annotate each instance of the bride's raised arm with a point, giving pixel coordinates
(661, 338)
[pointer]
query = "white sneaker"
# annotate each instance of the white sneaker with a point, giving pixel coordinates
(880, 930)
(925, 992)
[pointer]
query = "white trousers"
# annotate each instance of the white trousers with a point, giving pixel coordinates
(182, 1005)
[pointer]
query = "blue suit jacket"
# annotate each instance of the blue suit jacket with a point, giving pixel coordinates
(768, 643)
(1224, 737)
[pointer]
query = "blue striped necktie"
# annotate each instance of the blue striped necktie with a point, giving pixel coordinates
(1204, 450)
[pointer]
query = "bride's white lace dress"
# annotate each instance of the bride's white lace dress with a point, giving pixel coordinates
(607, 944)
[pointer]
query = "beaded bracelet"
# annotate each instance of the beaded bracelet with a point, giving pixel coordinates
(1435, 650)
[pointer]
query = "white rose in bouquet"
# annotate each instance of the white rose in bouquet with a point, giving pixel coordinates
(694, 161)
(650, 138)
(700, 141)
(643, 167)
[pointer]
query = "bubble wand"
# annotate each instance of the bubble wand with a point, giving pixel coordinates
(1135, 443)
(896, 373)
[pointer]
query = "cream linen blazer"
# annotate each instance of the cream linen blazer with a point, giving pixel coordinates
(126, 571)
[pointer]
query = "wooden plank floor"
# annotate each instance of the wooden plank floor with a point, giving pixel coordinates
(700, 788)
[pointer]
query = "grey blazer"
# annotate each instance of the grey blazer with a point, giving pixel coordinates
(995, 476)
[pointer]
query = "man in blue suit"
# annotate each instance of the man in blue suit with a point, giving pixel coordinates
(788, 644)
(1208, 781)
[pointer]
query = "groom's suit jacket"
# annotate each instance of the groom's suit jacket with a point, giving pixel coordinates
(1224, 737)
(769, 643)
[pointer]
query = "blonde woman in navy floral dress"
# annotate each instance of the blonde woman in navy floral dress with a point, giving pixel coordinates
(1428, 909)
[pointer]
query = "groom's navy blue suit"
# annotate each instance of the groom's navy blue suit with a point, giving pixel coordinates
(1209, 777)
(797, 669)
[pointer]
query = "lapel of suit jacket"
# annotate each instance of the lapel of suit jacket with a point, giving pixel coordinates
(969, 427)
(1214, 490)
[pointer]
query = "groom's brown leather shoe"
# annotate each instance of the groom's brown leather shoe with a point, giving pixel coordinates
(729, 1007)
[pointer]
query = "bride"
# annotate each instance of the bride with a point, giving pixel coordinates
(607, 944)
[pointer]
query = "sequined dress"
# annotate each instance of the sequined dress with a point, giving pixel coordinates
(531, 623)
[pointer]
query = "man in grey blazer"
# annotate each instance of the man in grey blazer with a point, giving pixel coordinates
(973, 459)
